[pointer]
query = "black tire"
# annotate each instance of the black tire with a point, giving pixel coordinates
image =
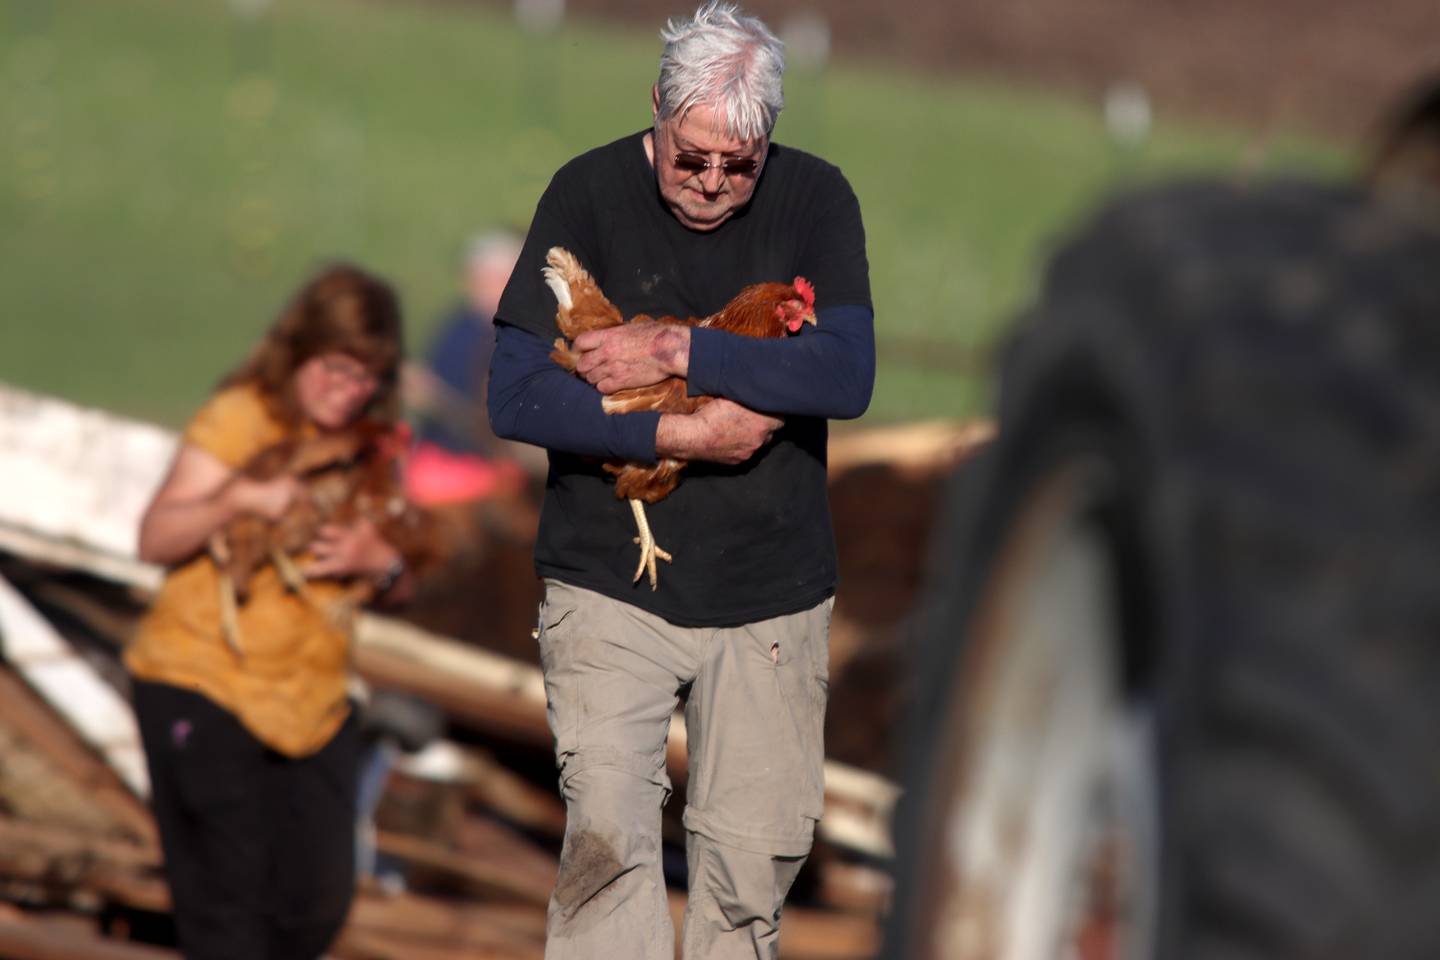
(1236, 393)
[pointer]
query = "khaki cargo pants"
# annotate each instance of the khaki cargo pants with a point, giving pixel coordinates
(755, 718)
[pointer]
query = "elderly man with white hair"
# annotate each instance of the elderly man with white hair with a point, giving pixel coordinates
(675, 220)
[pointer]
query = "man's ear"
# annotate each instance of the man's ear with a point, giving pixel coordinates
(654, 101)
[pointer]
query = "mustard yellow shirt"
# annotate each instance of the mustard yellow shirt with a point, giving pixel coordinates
(288, 687)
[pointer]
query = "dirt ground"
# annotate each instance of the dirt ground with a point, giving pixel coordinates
(1328, 66)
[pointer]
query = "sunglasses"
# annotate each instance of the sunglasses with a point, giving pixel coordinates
(730, 166)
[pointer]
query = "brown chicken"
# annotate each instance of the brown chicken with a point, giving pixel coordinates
(760, 310)
(348, 475)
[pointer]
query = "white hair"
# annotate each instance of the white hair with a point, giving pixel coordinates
(727, 61)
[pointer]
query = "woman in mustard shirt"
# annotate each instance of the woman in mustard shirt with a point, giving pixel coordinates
(253, 757)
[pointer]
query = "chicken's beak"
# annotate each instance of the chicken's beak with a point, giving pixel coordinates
(796, 321)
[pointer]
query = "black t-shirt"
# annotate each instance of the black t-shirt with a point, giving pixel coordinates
(750, 541)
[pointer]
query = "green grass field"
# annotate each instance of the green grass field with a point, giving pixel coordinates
(169, 170)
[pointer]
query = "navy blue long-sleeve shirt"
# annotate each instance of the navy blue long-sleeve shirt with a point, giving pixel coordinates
(828, 371)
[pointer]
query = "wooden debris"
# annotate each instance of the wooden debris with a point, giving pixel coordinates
(72, 687)
(481, 858)
(23, 712)
(39, 941)
(411, 927)
(928, 447)
(485, 878)
(813, 934)
(515, 798)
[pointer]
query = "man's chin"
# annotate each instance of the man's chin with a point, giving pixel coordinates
(705, 219)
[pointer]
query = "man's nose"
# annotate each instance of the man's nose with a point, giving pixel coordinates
(711, 178)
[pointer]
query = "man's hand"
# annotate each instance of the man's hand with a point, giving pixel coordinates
(722, 431)
(633, 355)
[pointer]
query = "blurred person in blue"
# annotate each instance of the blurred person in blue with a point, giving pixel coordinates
(675, 219)
(458, 458)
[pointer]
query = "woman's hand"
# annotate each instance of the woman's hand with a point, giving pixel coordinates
(356, 550)
(200, 495)
(265, 498)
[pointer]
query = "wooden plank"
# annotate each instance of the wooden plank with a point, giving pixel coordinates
(929, 446)
(475, 697)
(357, 943)
(22, 710)
(812, 934)
(66, 863)
(127, 874)
(77, 475)
(79, 556)
(407, 917)
(110, 618)
(853, 887)
(93, 709)
(54, 844)
(30, 941)
(482, 838)
(815, 935)
(515, 798)
(415, 914)
(485, 877)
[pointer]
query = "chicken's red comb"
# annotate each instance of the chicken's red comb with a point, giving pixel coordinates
(807, 292)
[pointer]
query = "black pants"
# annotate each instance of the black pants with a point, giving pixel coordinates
(259, 847)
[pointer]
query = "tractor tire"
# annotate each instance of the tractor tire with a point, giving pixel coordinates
(1179, 666)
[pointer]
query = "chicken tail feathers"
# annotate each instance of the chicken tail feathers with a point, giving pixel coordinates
(581, 305)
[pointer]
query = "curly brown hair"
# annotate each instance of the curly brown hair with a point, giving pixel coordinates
(341, 309)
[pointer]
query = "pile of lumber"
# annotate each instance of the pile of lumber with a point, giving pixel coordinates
(467, 832)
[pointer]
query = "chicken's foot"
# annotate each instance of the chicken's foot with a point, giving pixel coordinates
(229, 602)
(649, 549)
(340, 614)
(290, 573)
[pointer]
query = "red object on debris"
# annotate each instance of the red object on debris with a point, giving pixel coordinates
(434, 476)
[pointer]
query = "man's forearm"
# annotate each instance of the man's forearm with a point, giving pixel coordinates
(675, 437)
(722, 431)
(533, 400)
(826, 372)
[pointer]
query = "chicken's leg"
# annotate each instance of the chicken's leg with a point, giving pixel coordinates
(649, 549)
(290, 574)
(341, 612)
(230, 615)
(229, 603)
